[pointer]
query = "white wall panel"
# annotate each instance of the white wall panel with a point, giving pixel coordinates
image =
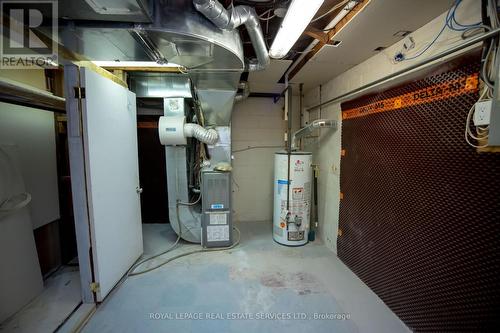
(33, 132)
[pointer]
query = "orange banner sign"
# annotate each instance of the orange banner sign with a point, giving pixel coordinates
(462, 85)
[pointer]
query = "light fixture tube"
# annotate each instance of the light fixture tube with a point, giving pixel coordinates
(298, 16)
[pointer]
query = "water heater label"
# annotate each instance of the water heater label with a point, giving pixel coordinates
(298, 166)
(298, 193)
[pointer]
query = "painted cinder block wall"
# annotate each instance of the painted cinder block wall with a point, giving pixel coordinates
(257, 122)
(327, 147)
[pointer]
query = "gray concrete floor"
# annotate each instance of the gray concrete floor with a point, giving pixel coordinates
(60, 296)
(281, 288)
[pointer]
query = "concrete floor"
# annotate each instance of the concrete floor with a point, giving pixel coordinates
(60, 296)
(258, 279)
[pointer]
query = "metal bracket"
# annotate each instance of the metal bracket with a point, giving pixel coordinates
(79, 92)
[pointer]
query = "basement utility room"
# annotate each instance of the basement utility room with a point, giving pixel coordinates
(249, 166)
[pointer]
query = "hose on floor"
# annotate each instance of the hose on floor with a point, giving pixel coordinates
(131, 271)
(186, 254)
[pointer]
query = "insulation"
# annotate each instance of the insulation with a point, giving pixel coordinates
(420, 209)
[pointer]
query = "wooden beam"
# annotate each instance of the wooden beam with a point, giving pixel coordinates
(146, 69)
(330, 34)
(79, 60)
(317, 34)
(101, 71)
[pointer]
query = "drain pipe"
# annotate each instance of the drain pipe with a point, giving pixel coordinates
(232, 19)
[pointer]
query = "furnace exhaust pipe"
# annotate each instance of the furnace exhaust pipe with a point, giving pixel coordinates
(232, 19)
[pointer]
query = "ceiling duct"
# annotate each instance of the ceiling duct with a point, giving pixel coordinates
(230, 20)
(177, 33)
(159, 85)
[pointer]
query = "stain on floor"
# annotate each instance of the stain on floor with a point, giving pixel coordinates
(246, 290)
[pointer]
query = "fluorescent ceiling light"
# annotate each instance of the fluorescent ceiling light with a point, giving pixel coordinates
(133, 64)
(298, 16)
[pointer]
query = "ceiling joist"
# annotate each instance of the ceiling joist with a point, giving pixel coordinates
(326, 38)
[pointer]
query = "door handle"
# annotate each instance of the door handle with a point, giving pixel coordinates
(138, 189)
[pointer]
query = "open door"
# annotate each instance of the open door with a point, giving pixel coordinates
(102, 139)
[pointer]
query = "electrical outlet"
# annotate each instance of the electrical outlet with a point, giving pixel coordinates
(482, 113)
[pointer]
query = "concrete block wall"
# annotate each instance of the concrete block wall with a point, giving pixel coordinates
(257, 122)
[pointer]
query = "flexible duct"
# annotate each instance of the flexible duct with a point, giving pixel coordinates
(230, 20)
(208, 136)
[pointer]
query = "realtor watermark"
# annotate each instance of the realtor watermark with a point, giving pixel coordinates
(248, 316)
(29, 33)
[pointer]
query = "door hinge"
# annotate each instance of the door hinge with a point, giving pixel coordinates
(79, 92)
(95, 287)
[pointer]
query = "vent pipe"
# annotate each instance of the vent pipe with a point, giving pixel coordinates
(319, 123)
(232, 19)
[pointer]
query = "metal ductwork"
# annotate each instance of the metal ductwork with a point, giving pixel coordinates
(171, 31)
(232, 19)
(210, 50)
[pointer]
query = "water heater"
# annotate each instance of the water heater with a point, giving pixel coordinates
(292, 197)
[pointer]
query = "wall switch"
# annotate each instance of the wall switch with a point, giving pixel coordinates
(482, 113)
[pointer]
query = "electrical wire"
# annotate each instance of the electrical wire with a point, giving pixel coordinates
(131, 271)
(179, 203)
(263, 17)
(428, 45)
(482, 133)
(490, 20)
(451, 23)
(337, 6)
(267, 18)
(189, 203)
(176, 241)
(451, 20)
(189, 253)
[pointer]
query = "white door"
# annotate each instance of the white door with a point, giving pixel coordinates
(102, 133)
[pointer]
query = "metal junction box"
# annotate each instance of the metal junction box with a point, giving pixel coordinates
(216, 218)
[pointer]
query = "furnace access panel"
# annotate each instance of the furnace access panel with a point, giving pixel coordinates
(216, 204)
